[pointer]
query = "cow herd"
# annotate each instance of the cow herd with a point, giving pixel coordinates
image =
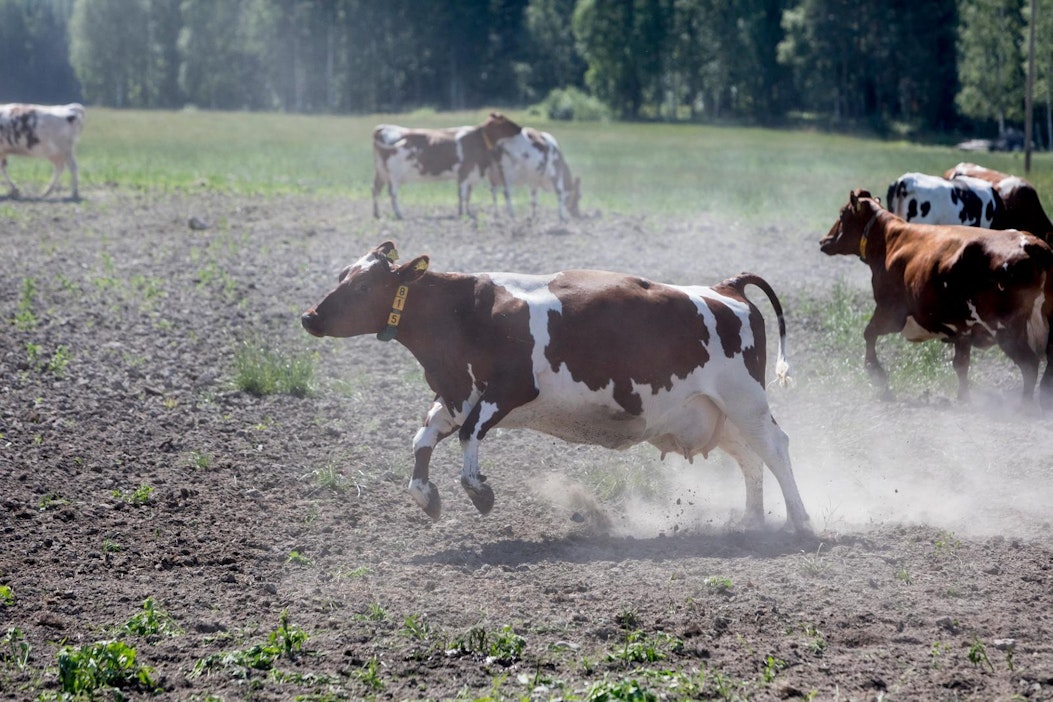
(614, 360)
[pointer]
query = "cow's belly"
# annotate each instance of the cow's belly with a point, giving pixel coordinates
(912, 331)
(682, 420)
(403, 170)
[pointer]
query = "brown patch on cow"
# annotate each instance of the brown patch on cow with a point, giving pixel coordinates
(729, 331)
(433, 154)
(618, 324)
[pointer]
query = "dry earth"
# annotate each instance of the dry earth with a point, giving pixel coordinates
(930, 578)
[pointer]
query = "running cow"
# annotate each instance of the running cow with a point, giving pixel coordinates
(1022, 208)
(533, 158)
(44, 131)
(587, 356)
(463, 154)
(963, 285)
(929, 199)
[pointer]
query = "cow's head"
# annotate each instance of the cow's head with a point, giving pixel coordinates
(368, 297)
(497, 126)
(847, 236)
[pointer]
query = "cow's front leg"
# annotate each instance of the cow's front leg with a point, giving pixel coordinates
(881, 322)
(487, 413)
(437, 426)
(10, 183)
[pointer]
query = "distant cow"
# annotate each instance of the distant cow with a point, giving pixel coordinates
(929, 199)
(44, 131)
(1022, 208)
(533, 158)
(587, 356)
(963, 285)
(402, 155)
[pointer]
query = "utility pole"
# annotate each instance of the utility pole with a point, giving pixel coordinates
(1028, 116)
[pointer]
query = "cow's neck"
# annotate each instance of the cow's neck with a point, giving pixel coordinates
(872, 241)
(429, 325)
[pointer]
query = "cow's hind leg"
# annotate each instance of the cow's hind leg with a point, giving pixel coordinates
(59, 163)
(960, 362)
(73, 177)
(752, 471)
(763, 435)
(437, 426)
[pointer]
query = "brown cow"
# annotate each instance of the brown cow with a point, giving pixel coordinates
(587, 356)
(964, 285)
(1021, 207)
(46, 131)
(402, 155)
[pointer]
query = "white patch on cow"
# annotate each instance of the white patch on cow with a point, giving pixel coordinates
(533, 290)
(912, 331)
(939, 196)
(975, 319)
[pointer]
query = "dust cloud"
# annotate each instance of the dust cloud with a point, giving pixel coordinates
(980, 469)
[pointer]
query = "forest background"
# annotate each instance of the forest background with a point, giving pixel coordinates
(931, 69)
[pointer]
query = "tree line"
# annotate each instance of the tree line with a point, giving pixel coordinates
(920, 65)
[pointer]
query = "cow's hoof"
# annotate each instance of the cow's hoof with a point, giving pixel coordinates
(427, 499)
(481, 496)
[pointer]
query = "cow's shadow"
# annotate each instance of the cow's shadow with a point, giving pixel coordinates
(22, 197)
(592, 549)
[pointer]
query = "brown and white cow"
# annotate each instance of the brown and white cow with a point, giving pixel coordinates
(1022, 208)
(963, 285)
(402, 155)
(533, 158)
(587, 356)
(46, 131)
(929, 199)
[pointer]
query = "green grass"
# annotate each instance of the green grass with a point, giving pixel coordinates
(738, 173)
(260, 371)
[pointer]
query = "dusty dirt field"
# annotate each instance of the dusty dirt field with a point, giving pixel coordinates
(930, 577)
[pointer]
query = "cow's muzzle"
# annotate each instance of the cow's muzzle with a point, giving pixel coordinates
(309, 320)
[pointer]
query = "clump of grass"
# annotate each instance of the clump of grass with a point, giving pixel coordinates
(7, 596)
(139, 496)
(24, 317)
(89, 669)
(639, 647)
(287, 640)
(14, 649)
(152, 621)
(260, 371)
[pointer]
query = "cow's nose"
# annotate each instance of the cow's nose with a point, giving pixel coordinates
(308, 319)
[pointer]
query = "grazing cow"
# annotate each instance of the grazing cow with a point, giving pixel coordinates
(587, 356)
(963, 285)
(929, 199)
(1022, 208)
(402, 155)
(46, 131)
(533, 158)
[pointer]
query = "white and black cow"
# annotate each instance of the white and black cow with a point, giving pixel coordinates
(1022, 208)
(45, 131)
(929, 199)
(403, 155)
(533, 158)
(587, 356)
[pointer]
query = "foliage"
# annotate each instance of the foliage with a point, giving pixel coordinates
(7, 597)
(571, 104)
(14, 649)
(287, 640)
(262, 371)
(88, 669)
(152, 621)
(990, 68)
(870, 63)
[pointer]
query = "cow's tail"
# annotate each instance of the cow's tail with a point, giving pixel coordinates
(782, 365)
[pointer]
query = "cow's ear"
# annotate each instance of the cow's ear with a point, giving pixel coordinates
(412, 271)
(387, 250)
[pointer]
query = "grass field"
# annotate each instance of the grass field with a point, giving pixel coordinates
(729, 172)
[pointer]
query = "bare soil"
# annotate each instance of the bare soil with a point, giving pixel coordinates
(930, 576)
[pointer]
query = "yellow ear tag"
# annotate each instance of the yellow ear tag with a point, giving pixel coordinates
(422, 265)
(393, 255)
